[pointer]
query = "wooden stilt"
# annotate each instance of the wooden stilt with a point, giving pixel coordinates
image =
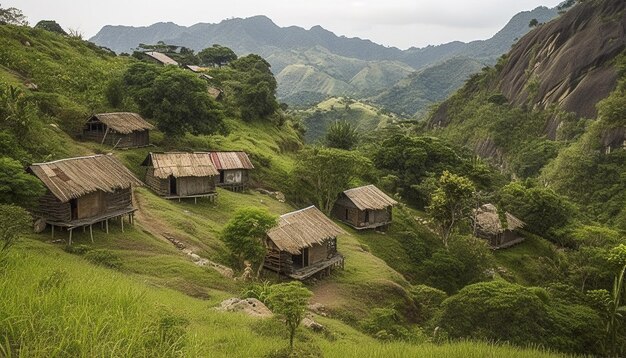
(106, 224)
(83, 229)
(122, 221)
(71, 236)
(195, 200)
(91, 233)
(52, 231)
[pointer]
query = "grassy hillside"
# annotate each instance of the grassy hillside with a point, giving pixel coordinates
(365, 117)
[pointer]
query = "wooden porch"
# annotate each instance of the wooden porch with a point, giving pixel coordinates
(103, 219)
(323, 266)
(212, 197)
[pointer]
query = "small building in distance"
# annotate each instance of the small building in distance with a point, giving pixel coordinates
(178, 175)
(365, 207)
(85, 190)
(303, 244)
(158, 58)
(233, 169)
(197, 69)
(488, 226)
(118, 129)
(215, 93)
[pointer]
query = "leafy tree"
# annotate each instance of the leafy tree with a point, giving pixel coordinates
(520, 315)
(450, 204)
(255, 92)
(217, 55)
(52, 26)
(14, 222)
(12, 16)
(290, 301)
(175, 98)
(541, 208)
(342, 135)
(245, 233)
(533, 23)
(322, 173)
(16, 186)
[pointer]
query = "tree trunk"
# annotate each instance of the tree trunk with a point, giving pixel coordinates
(292, 333)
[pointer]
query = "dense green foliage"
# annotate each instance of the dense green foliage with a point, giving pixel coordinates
(50, 25)
(216, 55)
(14, 222)
(16, 186)
(342, 135)
(321, 174)
(417, 162)
(176, 99)
(244, 234)
(521, 315)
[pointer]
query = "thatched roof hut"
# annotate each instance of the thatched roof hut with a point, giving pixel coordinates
(488, 225)
(118, 129)
(303, 243)
(85, 190)
(364, 207)
(215, 93)
(181, 175)
(233, 168)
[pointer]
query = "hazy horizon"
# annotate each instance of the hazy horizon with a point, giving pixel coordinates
(399, 23)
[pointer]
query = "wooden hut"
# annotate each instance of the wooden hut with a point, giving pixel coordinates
(365, 207)
(119, 129)
(215, 93)
(84, 191)
(303, 244)
(158, 58)
(489, 226)
(179, 175)
(233, 168)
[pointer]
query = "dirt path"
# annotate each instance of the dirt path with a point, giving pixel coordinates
(158, 229)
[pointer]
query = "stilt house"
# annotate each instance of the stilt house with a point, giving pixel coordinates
(119, 130)
(84, 191)
(233, 169)
(489, 226)
(365, 207)
(179, 175)
(303, 244)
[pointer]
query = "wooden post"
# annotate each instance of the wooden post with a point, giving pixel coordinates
(91, 232)
(105, 135)
(71, 236)
(52, 231)
(106, 224)
(122, 221)
(195, 200)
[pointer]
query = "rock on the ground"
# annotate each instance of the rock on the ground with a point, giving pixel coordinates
(311, 324)
(318, 308)
(250, 306)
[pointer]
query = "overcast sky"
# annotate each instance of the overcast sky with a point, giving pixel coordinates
(400, 23)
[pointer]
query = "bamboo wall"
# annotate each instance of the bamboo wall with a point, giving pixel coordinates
(356, 217)
(134, 139)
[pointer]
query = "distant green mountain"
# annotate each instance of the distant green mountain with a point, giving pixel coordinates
(317, 60)
(414, 94)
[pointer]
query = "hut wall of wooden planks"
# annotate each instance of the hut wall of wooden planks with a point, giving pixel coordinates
(364, 207)
(233, 169)
(177, 175)
(118, 130)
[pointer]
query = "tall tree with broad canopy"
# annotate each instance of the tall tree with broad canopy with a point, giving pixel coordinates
(450, 203)
(217, 55)
(322, 173)
(245, 233)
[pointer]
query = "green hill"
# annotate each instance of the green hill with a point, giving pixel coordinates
(135, 293)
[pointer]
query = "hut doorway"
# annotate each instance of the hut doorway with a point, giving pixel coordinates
(222, 177)
(74, 209)
(367, 216)
(173, 188)
(301, 260)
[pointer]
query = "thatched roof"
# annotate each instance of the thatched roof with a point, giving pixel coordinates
(162, 58)
(74, 177)
(488, 220)
(180, 164)
(231, 160)
(122, 122)
(214, 92)
(369, 197)
(303, 228)
(195, 68)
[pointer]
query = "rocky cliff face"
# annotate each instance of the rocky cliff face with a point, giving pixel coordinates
(569, 61)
